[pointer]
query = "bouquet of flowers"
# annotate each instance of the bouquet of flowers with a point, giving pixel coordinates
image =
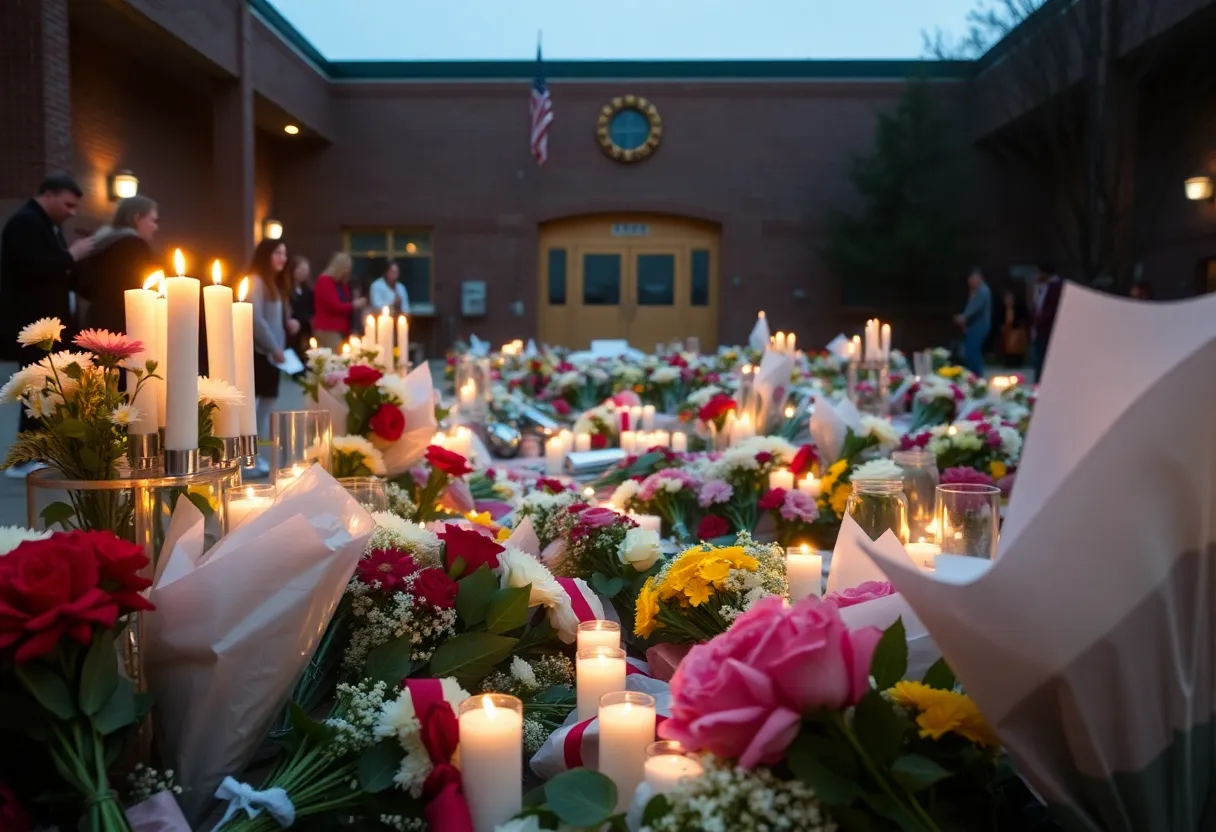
(425, 489)
(640, 466)
(699, 593)
(734, 482)
(580, 387)
(546, 687)
(935, 400)
(601, 423)
(986, 445)
(671, 494)
(547, 506)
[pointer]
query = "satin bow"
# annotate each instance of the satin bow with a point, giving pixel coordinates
(244, 797)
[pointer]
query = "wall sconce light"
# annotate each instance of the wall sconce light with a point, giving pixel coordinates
(123, 184)
(1198, 188)
(272, 229)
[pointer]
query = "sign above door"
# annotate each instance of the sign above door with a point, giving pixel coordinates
(630, 229)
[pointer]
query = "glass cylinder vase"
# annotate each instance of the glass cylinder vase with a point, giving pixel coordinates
(969, 519)
(300, 437)
(370, 492)
(920, 487)
(473, 388)
(878, 506)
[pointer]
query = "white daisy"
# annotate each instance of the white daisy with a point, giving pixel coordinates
(42, 332)
(125, 414)
(218, 391)
(21, 383)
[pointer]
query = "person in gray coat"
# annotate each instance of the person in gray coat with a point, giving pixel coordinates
(976, 321)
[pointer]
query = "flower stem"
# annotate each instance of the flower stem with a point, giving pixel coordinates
(925, 822)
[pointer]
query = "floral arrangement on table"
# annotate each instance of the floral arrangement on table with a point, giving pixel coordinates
(853, 743)
(213, 393)
(936, 399)
(864, 446)
(733, 483)
(580, 386)
(601, 423)
(670, 493)
(988, 446)
(547, 506)
(640, 466)
(84, 417)
(703, 590)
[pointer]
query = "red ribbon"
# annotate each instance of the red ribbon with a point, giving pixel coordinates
(446, 808)
(581, 608)
(572, 744)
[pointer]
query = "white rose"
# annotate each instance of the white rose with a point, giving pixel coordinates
(518, 569)
(639, 549)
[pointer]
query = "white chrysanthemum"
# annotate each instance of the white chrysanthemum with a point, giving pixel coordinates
(125, 414)
(43, 331)
(419, 541)
(218, 391)
(702, 396)
(395, 388)
(13, 536)
(21, 383)
(398, 718)
(625, 492)
(373, 460)
(598, 375)
(1011, 442)
(542, 501)
(639, 549)
(506, 490)
(665, 375)
(569, 380)
(518, 569)
(523, 671)
(880, 429)
(877, 469)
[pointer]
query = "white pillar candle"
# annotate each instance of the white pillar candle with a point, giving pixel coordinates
(742, 429)
(181, 397)
(648, 416)
(384, 338)
(221, 357)
(162, 350)
(679, 442)
(626, 722)
(467, 394)
(555, 455)
(662, 438)
(790, 340)
(667, 766)
(369, 329)
(140, 308)
(781, 478)
(629, 441)
(855, 348)
(491, 758)
(635, 418)
(582, 441)
(804, 571)
(651, 522)
(248, 502)
(779, 342)
(403, 342)
(642, 441)
(599, 633)
(598, 670)
(923, 554)
(809, 486)
(461, 441)
(242, 341)
(886, 341)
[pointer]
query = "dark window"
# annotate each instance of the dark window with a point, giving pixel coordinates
(656, 279)
(629, 129)
(601, 279)
(700, 277)
(370, 252)
(416, 277)
(557, 277)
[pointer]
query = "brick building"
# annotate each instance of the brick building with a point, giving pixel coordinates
(428, 163)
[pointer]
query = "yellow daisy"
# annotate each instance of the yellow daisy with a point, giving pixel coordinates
(697, 592)
(646, 613)
(997, 469)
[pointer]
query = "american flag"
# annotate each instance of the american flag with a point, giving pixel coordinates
(542, 112)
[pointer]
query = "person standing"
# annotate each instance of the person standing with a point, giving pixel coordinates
(122, 258)
(267, 292)
(389, 292)
(1014, 336)
(334, 304)
(1047, 288)
(976, 321)
(38, 274)
(301, 312)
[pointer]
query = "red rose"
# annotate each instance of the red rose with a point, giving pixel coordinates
(764, 458)
(362, 375)
(388, 423)
(772, 499)
(119, 563)
(711, 526)
(716, 408)
(561, 407)
(599, 441)
(550, 486)
(449, 462)
(803, 460)
(436, 588)
(473, 547)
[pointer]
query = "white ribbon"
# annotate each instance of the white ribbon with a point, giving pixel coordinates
(242, 796)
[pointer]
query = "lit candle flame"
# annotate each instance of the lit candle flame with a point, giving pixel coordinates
(761, 315)
(179, 262)
(789, 412)
(155, 280)
(312, 343)
(487, 704)
(370, 322)
(952, 430)
(384, 312)
(804, 549)
(588, 492)
(243, 290)
(217, 272)
(249, 492)
(346, 349)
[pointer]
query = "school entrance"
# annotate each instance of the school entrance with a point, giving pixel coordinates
(647, 279)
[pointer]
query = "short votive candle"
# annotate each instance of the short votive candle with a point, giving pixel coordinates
(247, 502)
(598, 670)
(667, 766)
(599, 633)
(781, 478)
(627, 723)
(629, 441)
(679, 442)
(804, 571)
(284, 477)
(582, 441)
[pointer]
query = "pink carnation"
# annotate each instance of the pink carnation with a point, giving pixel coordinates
(659, 482)
(798, 505)
(965, 476)
(866, 591)
(715, 491)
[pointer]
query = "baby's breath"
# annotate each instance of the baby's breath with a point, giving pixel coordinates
(377, 621)
(144, 782)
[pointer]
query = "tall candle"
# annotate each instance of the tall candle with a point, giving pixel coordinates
(242, 346)
(161, 305)
(781, 478)
(181, 374)
(467, 394)
(384, 338)
(626, 723)
(491, 758)
(599, 633)
(221, 358)
(582, 441)
(598, 670)
(369, 329)
(629, 441)
(886, 341)
(667, 766)
(855, 348)
(804, 571)
(790, 340)
(555, 454)
(679, 442)
(403, 342)
(648, 416)
(248, 503)
(140, 307)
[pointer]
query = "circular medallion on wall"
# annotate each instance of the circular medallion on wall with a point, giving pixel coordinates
(629, 128)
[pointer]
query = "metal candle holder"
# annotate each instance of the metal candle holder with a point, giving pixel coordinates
(143, 451)
(247, 449)
(230, 449)
(181, 463)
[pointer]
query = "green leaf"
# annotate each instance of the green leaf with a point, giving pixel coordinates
(880, 728)
(306, 729)
(99, 674)
(200, 502)
(535, 797)
(656, 808)
(939, 676)
(390, 662)
(473, 596)
(119, 710)
(608, 587)
(72, 429)
(470, 657)
(47, 687)
(916, 773)
(558, 694)
(890, 661)
(457, 569)
(57, 512)
(581, 797)
(508, 609)
(810, 764)
(379, 765)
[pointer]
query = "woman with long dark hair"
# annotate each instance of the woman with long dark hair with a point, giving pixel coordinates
(268, 293)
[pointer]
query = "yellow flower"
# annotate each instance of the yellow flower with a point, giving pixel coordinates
(207, 492)
(950, 372)
(941, 718)
(943, 712)
(646, 614)
(715, 571)
(840, 497)
(503, 534)
(997, 469)
(482, 519)
(916, 695)
(697, 592)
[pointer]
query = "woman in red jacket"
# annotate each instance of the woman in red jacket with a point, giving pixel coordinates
(334, 303)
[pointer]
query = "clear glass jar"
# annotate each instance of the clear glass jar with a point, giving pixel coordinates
(969, 516)
(879, 505)
(920, 487)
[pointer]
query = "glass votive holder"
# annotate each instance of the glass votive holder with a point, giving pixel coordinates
(878, 506)
(284, 477)
(245, 503)
(598, 633)
(920, 487)
(370, 492)
(627, 722)
(969, 519)
(668, 765)
(300, 436)
(491, 757)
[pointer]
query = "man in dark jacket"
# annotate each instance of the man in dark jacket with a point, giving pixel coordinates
(37, 270)
(1047, 290)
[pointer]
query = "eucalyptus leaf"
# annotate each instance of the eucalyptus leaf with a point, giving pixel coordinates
(581, 797)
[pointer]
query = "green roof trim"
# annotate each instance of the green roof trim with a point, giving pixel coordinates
(290, 33)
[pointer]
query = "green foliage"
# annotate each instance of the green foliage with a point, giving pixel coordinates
(379, 765)
(471, 656)
(390, 662)
(940, 676)
(473, 595)
(890, 661)
(508, 609)
(581, 797)
(907, 244)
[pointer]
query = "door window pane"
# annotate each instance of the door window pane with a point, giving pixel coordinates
(416, 276)
(557, 277)
(368, 242)
(656, 279)
(601, 279)
(405, 242)
(700, 277)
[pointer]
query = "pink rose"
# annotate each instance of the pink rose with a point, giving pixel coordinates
(823, 664)
(626, 398)
(867, 591)
(598, 517)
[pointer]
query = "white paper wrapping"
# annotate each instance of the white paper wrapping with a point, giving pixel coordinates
(1089, 644)
(839, 347)
(830, 425)
(419, 413)
(234, 627)
(772, 384)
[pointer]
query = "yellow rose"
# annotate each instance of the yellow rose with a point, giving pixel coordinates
(997, 469)
(647, 610)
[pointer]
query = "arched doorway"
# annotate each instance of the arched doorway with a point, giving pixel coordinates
(648, 279)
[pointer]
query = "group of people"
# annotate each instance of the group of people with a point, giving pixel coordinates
(82, 284)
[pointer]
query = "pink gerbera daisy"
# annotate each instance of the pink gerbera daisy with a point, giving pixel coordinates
(108, 346)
